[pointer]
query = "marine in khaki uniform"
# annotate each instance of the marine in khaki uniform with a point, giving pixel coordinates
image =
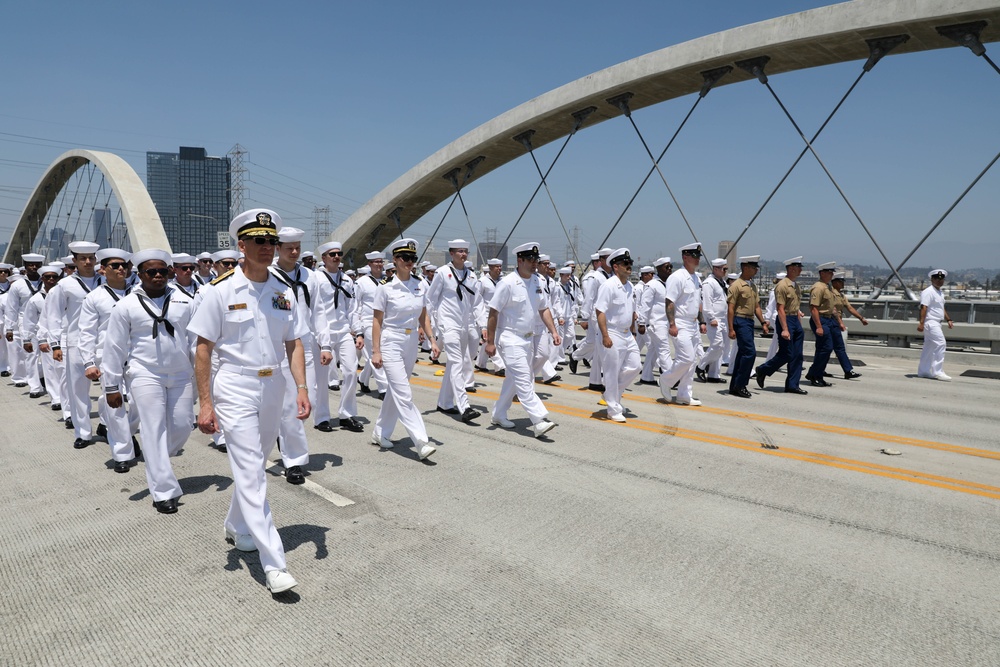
(788, 297)
(841, 304)
(743, 305)
(822, 321)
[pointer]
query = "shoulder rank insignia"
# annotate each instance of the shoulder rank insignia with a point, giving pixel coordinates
(225, 275)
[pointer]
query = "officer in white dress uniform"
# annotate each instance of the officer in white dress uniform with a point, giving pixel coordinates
(716, 311)
(591, 283)
(121, 422)
(364, 291)
(488, 287)
(652, 309)
(686, 326)
(517, 305)
(615, 308)
(35, 334)
(147, 347)
(565, 298)
(5, 270)
(252, 321)
(398, 311)
(63, 314)
(23, 364)
(932, 314)
(303, 282)
(335, 301)
(453, 294)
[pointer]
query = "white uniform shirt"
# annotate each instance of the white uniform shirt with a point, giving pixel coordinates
(63, 307)
(190, 291)
(129, 339)
(713, 295)
(33, 325)
(591, 284)
(249, 322)
(518, 302)
(653, 304)
(933, 299)
(401, 303)
(450, 310)
(335, 296)
(17, 299)
(306, 289)
(487, 288)
(365, 288)
(684, 290)
(94, 315)
(617, 302)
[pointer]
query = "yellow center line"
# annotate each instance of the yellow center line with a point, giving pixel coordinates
(901, 474)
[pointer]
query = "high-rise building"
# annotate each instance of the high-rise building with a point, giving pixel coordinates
(191, 192)
(727, 251)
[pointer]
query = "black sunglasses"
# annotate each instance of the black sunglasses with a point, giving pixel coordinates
(205, 261)
(265, 240)
(228, 263)
(152, 273)
(407, 256)
(184, 267)
(334, 253)
(116, 265)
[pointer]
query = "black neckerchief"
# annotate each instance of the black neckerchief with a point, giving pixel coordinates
(114, 295)
(84, 285)
(337, 289)
(374, 279)
(461, 283)
(294, 283)
(495, 282)
(202, 280)
(31, 289)
(162, 317)
(566, 287)
(190, 294)
(722, 283)
(605, 273)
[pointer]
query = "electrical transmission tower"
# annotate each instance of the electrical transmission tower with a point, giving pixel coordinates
(574, 247)
(321, 225)
(237, 179)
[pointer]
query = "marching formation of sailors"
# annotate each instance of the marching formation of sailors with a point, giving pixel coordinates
(259, 336)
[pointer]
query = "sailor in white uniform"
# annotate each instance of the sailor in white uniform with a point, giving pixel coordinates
(616, 318)
(591, 284)
(24, 365)
(364, 291)
(5, 270)
(252, 321)
(716, 310)
(932, 314)
(686, 326)
(517, 305)
(652, 309)
(488, 287)
(147, 347)
(35, 334)
(399, 309)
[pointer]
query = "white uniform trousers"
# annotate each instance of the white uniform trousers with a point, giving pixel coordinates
(249, 409)
(292, 432)
(456, 348)
(772, 349)
(729, 353)
(166, 412)
(122, 423)
(52, 370)
(399, 354)
(932, 356)
(15, 357)
(370, 371)
(687, 346)
(542, 364)
(717, 338)
(470, 372)
(4, 351)
(518, 353)
(346, 353)
(33, 369)
(568, 333)
(623, 355)
(77, 393)
(483, 357)
(588, 351)
(659, 355)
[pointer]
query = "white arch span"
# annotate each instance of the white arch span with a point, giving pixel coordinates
(138, 211)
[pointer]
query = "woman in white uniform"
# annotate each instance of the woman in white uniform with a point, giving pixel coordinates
(399, 312)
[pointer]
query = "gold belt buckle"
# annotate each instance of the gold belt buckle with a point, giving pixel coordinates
(407, 331)
(265, 372)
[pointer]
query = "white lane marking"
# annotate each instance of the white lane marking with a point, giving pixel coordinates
(314, 488)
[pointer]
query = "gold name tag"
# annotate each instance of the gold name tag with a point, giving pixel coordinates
(237, 306)
(407, 331)
(265, 373)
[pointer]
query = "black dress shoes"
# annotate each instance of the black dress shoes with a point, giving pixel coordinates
(818, 383)
(56, 407)
(36, 394)
(137, 451)
(323, 426)
(351, 424)
(796, 390)
(448, 411)
(69, 422)
(742, 392)
(166, 506)
(294, 475)
(553, 379)
(759, 377)
(121, 466)
(701, 374)
(20, 384)
(649, 382)
(852, 375)
(596, 387)
(469, 415)
(4, 374)
(573, 363)
(470, 390)
(80, 443)
(102, 431)
(365, 389)
(502, 373)
(716, 381)
(381, 396)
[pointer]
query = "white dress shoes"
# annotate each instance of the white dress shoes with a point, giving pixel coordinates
(241, 542)
(943, 377)
(693, 401)
(279, 581)
(424, 450)
(619, 419)
(542, 427)
(378, 440)
(502, 423)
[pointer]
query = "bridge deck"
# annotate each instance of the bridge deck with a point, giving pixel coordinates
(676, 538)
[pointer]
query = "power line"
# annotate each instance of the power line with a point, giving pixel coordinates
(329, 192)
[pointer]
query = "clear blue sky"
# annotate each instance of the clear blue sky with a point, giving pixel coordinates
(336, 100)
